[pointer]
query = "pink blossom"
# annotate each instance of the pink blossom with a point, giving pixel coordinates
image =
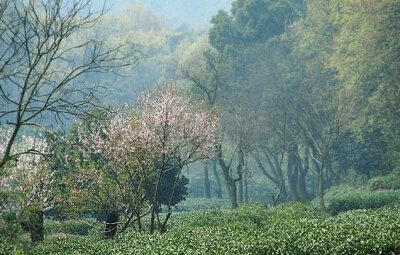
(28, 176)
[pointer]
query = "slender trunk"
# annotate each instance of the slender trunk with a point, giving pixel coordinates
(112, 221)
(231, 186)
(233, 195)
(321, 187)
(292, 178)
(335, 177)
(154, 202)
(228, 187)
(278, 161)
(6, 155)
(207, 192)
(227, 176)
(246, 192)
(327, 175)
(37, 228)
(292, 172)
(272, 177)
(241, 191)
(139, 221)
(281, 188)
(302, 188)
(240, 171)
(169, 211)
(246, 182)
(218, 189)
(317, 169)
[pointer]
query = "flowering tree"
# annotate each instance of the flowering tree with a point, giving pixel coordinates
(26, 188)
(176, 129)
(132, 150)
(114, 171)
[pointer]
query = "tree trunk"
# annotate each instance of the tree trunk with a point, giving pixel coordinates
(228, 178)
(302, 188)
(112, 221)
(292, 173)
(233, 195)
(218, 188)
(276, 165)
(246, 192)
(37, 228)
(240, 171)
(321, 187)
(334, 177)
(241, 191)
(154, 202)
(281, 190)
(207, 193)
(139, 221)
(6, 154)
(315, 181)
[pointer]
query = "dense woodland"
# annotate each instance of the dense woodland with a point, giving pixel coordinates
(274, 130)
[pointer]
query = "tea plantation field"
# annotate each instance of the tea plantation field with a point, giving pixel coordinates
(291, 228)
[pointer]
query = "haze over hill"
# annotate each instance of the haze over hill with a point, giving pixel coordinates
(193, 13)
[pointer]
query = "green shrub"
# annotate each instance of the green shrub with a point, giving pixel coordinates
(366, 200)
(390, 181)
(291, 228)
(339, 191)
(6, 247)
(71, 227)
(202, 204)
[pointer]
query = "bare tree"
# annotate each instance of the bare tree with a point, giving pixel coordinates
(43, 72)
(210, 81)
(236, 98)
(321, 121)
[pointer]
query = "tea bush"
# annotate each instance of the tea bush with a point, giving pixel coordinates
(71, 227)
(291, 228)
(390, 181)
(365, 200)
(201, 204)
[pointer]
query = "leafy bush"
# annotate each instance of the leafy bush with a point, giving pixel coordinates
(13, 240)
(291, 228)
(71, 227)
(339, 191)
(202, 204)
(6, 247)
(366, 200)
(390, 181)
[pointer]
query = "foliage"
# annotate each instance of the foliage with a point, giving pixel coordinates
(363, 200)
(167, 186)
(26, 190)
(201, 204)
(130, 163)
(306, 91)
(367, 61)
(71, 227)
(252, 21)
(287, 229)
(386, 182)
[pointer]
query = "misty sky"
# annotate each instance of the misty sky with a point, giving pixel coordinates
(194, 13)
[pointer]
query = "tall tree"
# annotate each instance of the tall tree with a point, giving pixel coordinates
(367, 59)
(42, 72)
(252, 21)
